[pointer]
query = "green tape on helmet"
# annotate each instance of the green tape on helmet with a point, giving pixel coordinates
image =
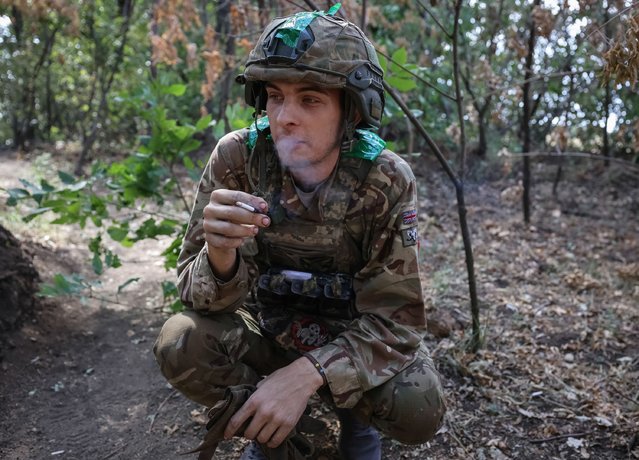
(334, 9)
(290, 31)
(260, 125)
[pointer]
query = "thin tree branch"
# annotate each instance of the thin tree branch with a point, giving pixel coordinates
(157, 412)
(616, 390)
(429, 140)
(362, 24)
(181, 194)
(458, 94)
(439, 24)
(532, 79)
(461, 209)
(418, 77)
(598, 29)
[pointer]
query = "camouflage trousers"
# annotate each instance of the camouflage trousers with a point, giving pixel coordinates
(202, 355)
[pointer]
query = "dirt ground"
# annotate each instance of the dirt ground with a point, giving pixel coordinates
(557, 377)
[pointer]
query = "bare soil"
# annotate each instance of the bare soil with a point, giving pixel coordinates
(556, 378)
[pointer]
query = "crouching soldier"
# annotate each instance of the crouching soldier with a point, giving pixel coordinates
(299, 268)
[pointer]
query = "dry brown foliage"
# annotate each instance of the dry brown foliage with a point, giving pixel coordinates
(622, 59)
(515, 43)
(172, 20)
(40, 9)
(544, 21)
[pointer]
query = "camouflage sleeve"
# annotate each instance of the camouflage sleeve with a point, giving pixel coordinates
(385, 339)
(198, 287)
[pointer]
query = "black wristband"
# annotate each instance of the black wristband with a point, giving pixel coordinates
(317, 366)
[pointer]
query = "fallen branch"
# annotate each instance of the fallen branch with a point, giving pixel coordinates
(157, 412)
(561, 436)
(453, 434)
(618, 392)
(113, 452)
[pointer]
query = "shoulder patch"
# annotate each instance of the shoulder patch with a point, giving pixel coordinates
(410, 236)
(409, 217)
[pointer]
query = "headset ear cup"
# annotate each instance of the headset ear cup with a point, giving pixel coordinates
(255, 94)
(263, 96)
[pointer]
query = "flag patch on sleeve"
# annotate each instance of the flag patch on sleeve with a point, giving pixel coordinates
(409, 217)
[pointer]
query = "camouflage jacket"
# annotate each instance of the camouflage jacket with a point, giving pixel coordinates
(363, 222)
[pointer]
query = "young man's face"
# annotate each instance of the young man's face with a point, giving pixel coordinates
(306, 125)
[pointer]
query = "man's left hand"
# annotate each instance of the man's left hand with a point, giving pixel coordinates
(277, 404)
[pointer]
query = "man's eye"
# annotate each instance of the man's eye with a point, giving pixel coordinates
(311, 100)
(274, 97)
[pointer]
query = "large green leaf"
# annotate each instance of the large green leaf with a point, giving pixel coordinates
(175, 90)
(401, 84)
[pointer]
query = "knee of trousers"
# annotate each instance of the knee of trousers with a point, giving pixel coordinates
(192, 348)
(410, 407)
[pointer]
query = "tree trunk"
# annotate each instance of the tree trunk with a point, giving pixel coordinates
(223, 30)
(605, 150)
(525, 119)
(105, 88)
(363, 20)
(24, 129)
(48, 102)
(482, 148)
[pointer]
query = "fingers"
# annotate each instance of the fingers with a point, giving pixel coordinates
(226, 225)
(238, 419)
(279, 437)
(266, 426)
(230, 197)
(265, 434)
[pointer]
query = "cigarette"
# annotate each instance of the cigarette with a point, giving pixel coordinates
(248, 207)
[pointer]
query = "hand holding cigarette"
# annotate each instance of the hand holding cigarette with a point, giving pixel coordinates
(226, 220)
(226, 224)
(248, 207)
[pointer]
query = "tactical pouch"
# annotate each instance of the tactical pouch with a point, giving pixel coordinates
(319, 294)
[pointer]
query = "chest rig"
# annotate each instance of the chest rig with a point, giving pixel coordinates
(307, 256)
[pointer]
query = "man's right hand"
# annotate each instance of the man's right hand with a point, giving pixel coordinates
(227, 225)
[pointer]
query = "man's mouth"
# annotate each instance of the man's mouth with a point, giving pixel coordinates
(287, 144)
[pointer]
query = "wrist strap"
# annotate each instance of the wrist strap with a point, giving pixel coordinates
(317, 366)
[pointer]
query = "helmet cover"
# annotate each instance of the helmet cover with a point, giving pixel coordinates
(321, 49)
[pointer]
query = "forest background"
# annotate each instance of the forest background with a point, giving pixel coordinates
(110, 110)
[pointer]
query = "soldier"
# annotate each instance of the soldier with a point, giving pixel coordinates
(299, 268)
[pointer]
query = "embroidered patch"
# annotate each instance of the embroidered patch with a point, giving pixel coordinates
(308, 334)
(409, 217)
(410, 236)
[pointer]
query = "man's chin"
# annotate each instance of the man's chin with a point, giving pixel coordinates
(291, 153)
(295, 162)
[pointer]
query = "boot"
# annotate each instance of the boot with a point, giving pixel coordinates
(357, 441)
(253, 452)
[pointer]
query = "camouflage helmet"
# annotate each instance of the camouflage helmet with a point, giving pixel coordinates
(321, 49)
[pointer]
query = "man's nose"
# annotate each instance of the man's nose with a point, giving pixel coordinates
(288, 112)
